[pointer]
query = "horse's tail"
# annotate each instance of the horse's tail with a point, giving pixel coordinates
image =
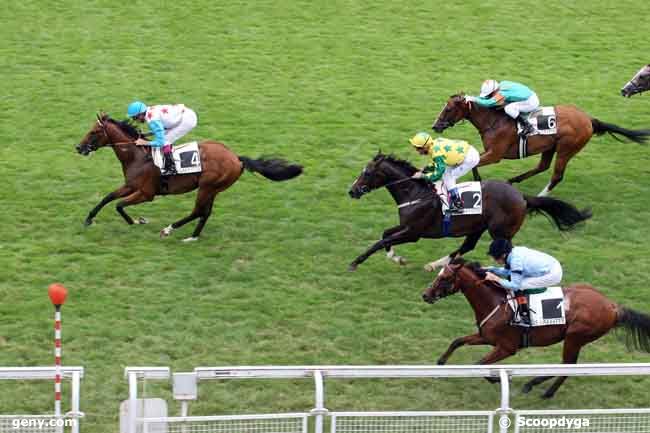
(636, 135)
(272, 168)
(564, 215)
(636, 327)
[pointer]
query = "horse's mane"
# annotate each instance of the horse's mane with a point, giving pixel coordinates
(124, 125)
(472, 266)
(402, 163)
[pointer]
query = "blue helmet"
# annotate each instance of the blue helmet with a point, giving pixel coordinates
(136, 108)
(499, 248)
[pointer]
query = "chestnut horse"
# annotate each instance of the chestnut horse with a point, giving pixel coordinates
(639, 83)
(589, 316)
(500, 140)
(420, 213)
(143, 181)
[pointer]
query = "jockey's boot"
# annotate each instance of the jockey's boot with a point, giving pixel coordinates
(523, 317)
(170, 167)
(527, 127)
(455, 201)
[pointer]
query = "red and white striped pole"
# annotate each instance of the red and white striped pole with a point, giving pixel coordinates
(57, 294)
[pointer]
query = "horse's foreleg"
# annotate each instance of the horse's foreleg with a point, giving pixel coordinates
(544, 164)
(468, 245)
(489, 157)
(202, 209)
(120, 192)
(130, 200)
(400, 237)
(471, 340)
(390, 251)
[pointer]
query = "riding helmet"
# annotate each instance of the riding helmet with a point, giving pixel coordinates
(136, 108)
(421, 139)
(488, 87)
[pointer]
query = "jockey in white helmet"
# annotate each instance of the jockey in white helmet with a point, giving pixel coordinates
(517, 100)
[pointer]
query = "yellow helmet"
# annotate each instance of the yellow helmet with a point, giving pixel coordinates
(421, 140)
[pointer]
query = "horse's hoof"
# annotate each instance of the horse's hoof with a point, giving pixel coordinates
(191, 239)
(548, 395)
(88, 222)
(527, 388)
(429, 268)
(142, 220)
(401, 261)
(352, 267)
(441, 362)
(166, 231)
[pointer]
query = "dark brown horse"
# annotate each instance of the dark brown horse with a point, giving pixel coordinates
(589, 316)
(500, 140)
(221, 168)
(639, 83)
(420, 215)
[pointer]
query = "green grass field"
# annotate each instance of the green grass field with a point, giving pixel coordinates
(325, 84)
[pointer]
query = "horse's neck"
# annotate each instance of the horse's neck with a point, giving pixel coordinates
(406, 191)
(482, 297)
(127, 153)
(484, 118)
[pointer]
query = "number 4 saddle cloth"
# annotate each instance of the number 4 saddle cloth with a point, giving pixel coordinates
(187, 158)
(546, 306)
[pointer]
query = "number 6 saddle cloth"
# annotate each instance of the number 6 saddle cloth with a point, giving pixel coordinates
(187, 158)
(545, 123)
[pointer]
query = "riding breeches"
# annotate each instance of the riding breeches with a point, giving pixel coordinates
(187, 123)
(552, 278)
(514, 108)
(453, 172)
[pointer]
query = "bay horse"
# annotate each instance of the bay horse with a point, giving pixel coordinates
(589, 316)
(420, 214)
(143, 181)
(639, 83)
(500, 140)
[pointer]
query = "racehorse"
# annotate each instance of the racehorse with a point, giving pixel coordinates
(500, 140)
(639, 83)
(589, 316)
(143, 181)
(420, 214)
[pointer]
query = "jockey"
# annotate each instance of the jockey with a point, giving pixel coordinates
(527, 269)
(167, 122)
(518, 99)
(450, 159)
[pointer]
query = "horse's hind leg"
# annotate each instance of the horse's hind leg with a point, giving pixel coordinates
(564, 154)
(544, 164)
(534, 382)
(202, 209)
(570, 353)
(468, 245)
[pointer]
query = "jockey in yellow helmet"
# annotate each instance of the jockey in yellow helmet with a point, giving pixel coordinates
(450, 159)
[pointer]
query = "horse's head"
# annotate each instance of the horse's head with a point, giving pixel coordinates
(455, 110)
(452, 278)
(444, 284)
(381, 170)
(639, 83)
(104, 132)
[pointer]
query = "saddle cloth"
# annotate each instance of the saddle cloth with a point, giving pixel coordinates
(545, 123)
(187, 158)
(470, 193)
(546, 306)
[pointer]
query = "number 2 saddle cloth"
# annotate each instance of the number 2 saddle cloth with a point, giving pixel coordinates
(470, 193)
(187, 158)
